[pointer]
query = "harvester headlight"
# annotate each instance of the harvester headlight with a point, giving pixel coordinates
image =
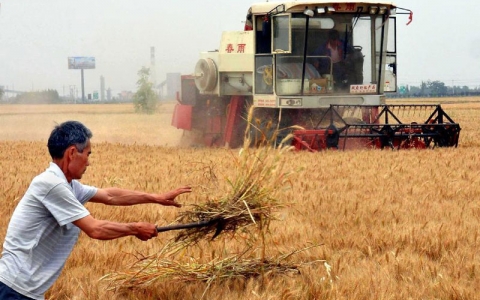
(382, 10)
(373, 10)
(326, 9)
(308, 12)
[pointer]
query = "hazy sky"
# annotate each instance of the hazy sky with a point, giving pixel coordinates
(37, 37)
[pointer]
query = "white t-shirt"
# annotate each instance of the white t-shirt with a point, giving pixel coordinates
(40, 235)
(334, 53)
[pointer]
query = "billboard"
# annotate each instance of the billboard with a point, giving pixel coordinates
(81, 62)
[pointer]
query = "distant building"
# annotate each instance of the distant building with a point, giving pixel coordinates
(125, 96)
(102, 88)
(169, 88)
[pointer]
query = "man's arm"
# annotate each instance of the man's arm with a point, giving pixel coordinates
(122, 197)
(106, 230)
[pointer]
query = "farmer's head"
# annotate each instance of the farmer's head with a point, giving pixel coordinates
(69, 147)
(70, 133)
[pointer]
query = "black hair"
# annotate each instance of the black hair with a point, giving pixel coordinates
(67, 134)
(333, 35)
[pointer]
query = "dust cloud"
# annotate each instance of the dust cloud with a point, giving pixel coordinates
(111, 123)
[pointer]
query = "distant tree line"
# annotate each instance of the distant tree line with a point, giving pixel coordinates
(434, 89)
(145, 99)
(41, 97)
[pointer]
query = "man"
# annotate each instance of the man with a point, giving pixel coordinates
(47, 221)
(334, 49)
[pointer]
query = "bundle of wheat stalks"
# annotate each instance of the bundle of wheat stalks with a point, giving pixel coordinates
(251, 199)
(150, 269)
(248, 206)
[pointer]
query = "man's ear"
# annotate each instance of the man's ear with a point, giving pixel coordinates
(70, 152)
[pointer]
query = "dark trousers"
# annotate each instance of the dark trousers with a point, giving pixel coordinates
(7, 293)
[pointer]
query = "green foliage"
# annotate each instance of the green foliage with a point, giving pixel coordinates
(145, 100)
(437, 88)
(42, 97)
(2, 92)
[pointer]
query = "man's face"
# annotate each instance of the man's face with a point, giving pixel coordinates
(333, 41)
(79, 163)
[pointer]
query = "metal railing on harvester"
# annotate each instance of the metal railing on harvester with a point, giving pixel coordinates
(364, 126)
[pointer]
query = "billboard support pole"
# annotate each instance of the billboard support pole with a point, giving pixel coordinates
(83, 88)
(81, 62)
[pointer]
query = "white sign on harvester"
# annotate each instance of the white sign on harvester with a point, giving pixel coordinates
(363, 88)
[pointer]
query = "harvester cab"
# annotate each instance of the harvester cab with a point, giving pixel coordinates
(300, 63)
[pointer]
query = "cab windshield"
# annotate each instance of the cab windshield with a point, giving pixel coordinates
(341, 54)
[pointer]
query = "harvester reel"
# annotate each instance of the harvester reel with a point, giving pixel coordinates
(206, 75)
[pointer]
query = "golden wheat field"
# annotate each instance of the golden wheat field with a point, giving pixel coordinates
(370, 224)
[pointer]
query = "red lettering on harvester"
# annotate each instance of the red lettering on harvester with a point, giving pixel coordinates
(350, 7)
(241, 48)
(229, 48)
(337, 6)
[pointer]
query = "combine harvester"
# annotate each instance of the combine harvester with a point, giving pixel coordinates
(322, 66)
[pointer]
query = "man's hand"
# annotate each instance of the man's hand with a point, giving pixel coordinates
(146, 231)
(168, 198)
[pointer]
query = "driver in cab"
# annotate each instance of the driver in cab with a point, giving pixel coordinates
(334, 49)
